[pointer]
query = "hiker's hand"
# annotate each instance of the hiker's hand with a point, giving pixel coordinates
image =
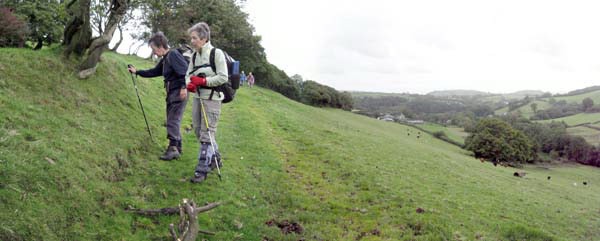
(198, 81)
(191, 87)
(131, 69)
(182, 94)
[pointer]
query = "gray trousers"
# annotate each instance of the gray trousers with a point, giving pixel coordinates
(212, 108)
(175, 109)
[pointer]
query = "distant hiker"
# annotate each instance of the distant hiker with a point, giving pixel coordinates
(250, 79)
(172, 67)
(206, 102)
(242, 78)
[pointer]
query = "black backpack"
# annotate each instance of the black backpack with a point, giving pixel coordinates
(233, 68)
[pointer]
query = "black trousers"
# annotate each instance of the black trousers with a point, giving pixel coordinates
(175, 110)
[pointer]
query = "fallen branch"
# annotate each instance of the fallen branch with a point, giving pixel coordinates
(188, 227)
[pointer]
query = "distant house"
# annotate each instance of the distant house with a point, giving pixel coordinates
(401, 117)
(386, 117)
(415, 122)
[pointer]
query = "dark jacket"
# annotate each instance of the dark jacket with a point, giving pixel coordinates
(173, 67)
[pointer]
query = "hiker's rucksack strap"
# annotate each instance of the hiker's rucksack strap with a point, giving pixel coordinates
(212, 60)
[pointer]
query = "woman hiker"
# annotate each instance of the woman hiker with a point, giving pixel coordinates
(172, 67)
(250, 79)
(206, 106)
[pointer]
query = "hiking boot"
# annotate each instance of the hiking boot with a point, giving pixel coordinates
(170, 154)
(198, 177)
(179, 148)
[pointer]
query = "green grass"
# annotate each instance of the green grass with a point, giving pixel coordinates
(455, 133)
(577, 119)
(338, 174)
(592, 136)
(594, 95)
(526, 110)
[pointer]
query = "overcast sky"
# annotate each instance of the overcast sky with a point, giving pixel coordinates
(426, 45)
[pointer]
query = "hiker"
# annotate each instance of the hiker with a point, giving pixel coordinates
(206, 105)
(172, 67)
(250, 79)
(242, 78)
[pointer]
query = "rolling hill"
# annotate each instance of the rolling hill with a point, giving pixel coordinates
(75, 154)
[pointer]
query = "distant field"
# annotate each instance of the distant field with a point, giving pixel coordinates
(597, 125)
(377, 94)
(454, 133)
(527, 112)
(595, 96)
(501, 111)
(577, 119)
(592, 136)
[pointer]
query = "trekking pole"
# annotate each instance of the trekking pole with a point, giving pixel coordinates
(212, 141)
(140, 100)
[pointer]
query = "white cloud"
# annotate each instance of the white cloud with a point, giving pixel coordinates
(420, 46)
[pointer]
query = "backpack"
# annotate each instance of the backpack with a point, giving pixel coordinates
(233, 68)
(186, 51)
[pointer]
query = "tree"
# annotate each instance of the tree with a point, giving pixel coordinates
(118, 8)
(533, 107)
(587, 103)
(78, 33)
(230, 29)
(496, 141)
(45, 19)
(297, 78)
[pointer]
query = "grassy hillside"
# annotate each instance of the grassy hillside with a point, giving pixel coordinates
(74, 154)
(594, 95)
(577, 119)
(456, 134)
(525, 110)
(591, 135)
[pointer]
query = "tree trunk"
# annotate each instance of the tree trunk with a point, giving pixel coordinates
(40, 43)
(117, 10)
(114, 49)
(78, 32)
(138, 48)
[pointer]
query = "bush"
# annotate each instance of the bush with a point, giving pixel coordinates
(496, 141)
(13, 31)
(320, 95)
(439, 134)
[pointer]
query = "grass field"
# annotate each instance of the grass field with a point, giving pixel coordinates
(455, 133)
(594, 95)
(526, 110)
(577, 119)
(592, 136)
(75, 153)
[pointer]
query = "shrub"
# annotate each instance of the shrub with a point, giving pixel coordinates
(13, 31)
(496, 141)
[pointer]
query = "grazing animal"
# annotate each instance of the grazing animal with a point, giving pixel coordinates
(549, 177)
(584, 183)
(519, 174)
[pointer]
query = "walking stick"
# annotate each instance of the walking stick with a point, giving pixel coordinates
(212, 141)
(140, 101)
